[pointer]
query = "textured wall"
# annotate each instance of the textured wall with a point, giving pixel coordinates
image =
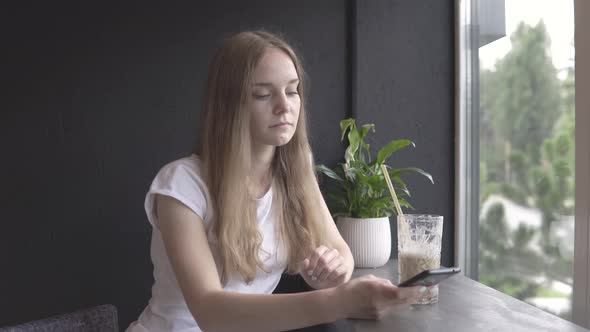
(97, 97)
(404, 85)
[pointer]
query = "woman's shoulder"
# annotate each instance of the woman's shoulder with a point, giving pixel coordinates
(186, 169)
(190, 164)
(182, 180)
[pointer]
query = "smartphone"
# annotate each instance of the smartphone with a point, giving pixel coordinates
(430, 277)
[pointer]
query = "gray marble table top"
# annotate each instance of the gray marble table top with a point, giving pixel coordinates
(464, 305)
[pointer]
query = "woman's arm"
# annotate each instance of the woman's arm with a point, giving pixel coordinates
(331, 264)
(214, 309)
(333, 237)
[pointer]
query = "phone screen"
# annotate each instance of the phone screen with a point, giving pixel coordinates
(430, 277)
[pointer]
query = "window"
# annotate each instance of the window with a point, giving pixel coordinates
(519, 200)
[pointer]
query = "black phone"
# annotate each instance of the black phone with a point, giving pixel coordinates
(430, 277)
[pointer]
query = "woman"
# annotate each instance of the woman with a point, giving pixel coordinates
(231, 218)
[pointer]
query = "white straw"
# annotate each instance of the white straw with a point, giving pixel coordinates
(395, 201)
(391, 190)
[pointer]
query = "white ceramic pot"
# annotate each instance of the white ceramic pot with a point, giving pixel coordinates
(369, 240)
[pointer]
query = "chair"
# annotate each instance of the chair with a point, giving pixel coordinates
(102, 318)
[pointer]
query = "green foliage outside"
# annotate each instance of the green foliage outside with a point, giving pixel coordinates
(526, 155)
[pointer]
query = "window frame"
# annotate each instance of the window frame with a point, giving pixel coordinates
(467, 140)
(581, 294)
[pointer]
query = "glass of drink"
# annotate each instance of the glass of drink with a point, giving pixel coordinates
(419, 247)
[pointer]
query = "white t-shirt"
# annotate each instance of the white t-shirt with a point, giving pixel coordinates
(167, 310)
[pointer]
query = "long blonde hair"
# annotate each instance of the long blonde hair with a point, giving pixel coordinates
(225, 152)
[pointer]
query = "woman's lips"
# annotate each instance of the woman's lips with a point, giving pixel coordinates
(281, 125)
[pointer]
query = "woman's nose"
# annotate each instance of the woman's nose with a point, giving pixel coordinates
(282, 105)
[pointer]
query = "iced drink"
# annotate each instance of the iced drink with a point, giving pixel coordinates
(419, 246)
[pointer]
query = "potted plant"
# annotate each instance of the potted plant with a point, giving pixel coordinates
(360, 201)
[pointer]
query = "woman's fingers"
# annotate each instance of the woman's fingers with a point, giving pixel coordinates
(408, 294)
(327, 264)
(323, 265)
(377, 297)
(400, 295)
(321, 260)
(304, 266)
(337, 272)
(313, 262)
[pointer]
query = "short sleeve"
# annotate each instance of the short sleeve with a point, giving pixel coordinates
(180, 180)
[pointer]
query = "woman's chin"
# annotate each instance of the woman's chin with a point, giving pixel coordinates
(275, 140)
(283, 140)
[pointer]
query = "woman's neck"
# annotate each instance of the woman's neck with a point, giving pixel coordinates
(261, 168)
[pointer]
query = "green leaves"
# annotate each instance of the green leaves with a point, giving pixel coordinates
(344, 125)
(359, 189)
(353, 141)
(365, 129)
(330, 173)
(390, 148)
(399, 171)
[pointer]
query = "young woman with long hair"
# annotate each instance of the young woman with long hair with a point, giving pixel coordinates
(229, 219)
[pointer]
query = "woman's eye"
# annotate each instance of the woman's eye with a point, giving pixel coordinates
(261, 97)
(292, 93)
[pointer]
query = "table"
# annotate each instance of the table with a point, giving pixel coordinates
(464, 305)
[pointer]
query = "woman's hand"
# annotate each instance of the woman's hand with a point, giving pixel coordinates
(324, 268)
(369, 297)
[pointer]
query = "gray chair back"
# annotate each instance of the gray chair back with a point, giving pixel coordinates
(102, 318)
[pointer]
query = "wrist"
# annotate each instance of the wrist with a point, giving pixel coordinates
(350, 268)
(335, 298)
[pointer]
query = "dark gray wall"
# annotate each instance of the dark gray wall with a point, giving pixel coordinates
(404, 77)
(96, 97)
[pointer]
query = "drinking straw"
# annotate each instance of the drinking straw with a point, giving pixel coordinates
(391, 190)
(394, 198)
